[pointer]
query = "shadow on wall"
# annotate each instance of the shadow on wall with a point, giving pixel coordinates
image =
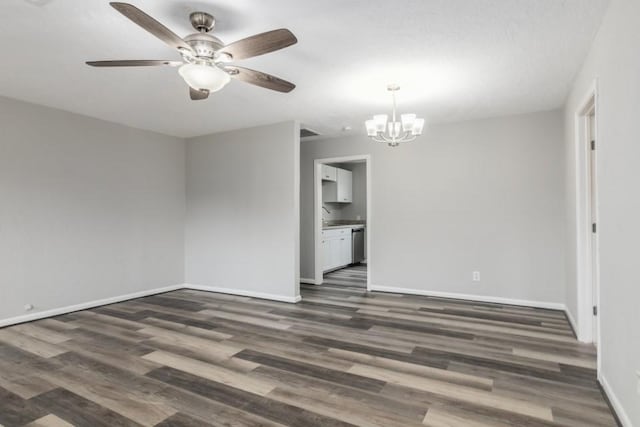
(39, 3)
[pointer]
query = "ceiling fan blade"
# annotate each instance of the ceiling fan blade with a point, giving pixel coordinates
(134, 63)
(197, 95)
(151, 25)
(260, 44)
(259, 78)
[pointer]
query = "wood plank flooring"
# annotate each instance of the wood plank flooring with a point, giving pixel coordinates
(353, 275)
(341, 357)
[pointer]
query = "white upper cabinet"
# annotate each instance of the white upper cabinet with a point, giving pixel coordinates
(329, 173)
(340, 191)
(345, 186)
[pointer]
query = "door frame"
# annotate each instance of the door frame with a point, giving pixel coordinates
(587, 259)
(317, 212)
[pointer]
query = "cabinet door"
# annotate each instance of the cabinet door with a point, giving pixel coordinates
(336, 255)
(346, 257)
(329, 191)
(326, 254)
(331, 253)
(345, 186)
(329, 173)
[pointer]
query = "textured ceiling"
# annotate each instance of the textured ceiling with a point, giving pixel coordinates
(455, 59)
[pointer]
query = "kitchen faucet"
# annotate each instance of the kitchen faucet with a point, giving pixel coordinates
(324, 221)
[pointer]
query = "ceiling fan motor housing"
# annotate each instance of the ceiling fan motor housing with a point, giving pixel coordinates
(205, 45)
(202, 21)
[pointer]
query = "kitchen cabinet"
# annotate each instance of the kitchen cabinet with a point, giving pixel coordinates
(336, 248)
(340, 191)
(329, 173)
(344, 247)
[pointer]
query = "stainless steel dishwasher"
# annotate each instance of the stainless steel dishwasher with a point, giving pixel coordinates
(357, 245)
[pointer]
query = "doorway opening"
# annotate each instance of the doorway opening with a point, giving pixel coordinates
(342, 221)
(587, 221)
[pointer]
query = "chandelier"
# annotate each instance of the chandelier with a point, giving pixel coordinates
(394, 132)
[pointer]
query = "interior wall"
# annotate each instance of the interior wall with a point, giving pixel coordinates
(88, 209)
(483, 195)
(614, 61)
(243, 211)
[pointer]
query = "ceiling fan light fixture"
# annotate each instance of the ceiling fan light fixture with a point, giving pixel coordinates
(202, 76)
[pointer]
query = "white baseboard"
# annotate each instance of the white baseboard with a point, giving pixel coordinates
(469, 297)
(572, 321)
(111, 300)
(308, 281)
(617, 406)
(85, 305)
(242, 293)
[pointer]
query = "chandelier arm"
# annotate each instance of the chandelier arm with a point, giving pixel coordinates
(379, 137)
(408, 137)
(383, 138)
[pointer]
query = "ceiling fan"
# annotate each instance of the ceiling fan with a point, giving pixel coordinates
(205, 64)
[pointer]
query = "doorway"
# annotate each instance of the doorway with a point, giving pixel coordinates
(343, 221)
(587, 230)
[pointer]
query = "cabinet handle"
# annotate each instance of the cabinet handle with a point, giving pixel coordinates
(342, 238)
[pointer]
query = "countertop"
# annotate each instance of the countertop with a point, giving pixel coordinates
(334, 227)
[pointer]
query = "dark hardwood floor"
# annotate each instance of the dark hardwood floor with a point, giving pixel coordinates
(340, 357)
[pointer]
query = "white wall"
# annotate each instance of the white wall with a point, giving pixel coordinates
(243, 211)
(614, 61)
(358, 206)
(88, 209)
(482, 195)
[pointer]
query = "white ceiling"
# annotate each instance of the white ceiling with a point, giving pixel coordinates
(455, 59)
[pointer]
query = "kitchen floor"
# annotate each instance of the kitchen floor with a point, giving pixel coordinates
(341, 357)
(353, 275)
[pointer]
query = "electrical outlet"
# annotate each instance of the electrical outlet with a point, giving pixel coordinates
(476, 276)
(28, 307)
(358, 217)
(638, 384)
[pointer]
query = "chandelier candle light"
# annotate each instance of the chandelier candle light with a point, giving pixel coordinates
(394, 132)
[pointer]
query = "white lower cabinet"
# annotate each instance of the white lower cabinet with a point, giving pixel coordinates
(336, 248)
(328, 249)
